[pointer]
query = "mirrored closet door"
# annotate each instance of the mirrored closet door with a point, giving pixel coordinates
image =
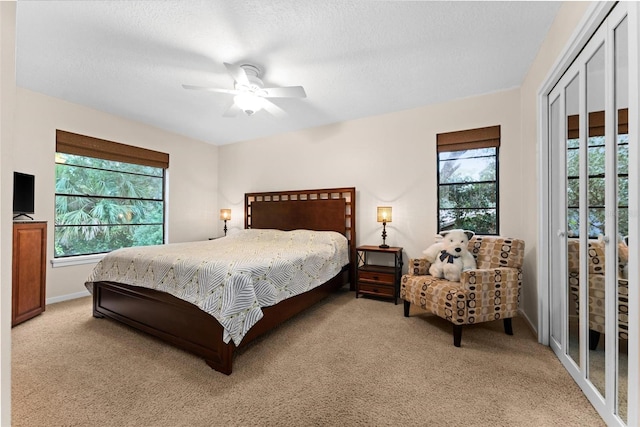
(588, 135)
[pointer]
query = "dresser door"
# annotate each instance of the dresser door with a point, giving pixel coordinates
(29, 270)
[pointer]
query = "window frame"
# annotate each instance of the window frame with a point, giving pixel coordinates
(472, 139)
(80, 145)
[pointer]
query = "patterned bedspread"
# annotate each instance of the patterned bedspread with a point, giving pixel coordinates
(231, 278)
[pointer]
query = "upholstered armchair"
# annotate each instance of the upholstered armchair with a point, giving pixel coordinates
(596, 287)
(490, 292)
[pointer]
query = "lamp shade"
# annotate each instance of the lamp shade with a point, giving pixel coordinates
(384, 213)
(225, 214)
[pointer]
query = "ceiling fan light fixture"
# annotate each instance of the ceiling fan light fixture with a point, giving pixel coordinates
(248, 103)
(250, 95)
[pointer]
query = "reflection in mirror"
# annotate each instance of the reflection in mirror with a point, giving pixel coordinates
(622, 160)
(573, 217)
(598, 226)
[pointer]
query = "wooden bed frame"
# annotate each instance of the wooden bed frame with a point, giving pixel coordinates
(185, 326)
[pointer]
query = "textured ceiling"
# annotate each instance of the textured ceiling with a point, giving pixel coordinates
(354, 58)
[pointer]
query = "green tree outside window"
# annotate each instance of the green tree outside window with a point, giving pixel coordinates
(468, 190)
(102, 205)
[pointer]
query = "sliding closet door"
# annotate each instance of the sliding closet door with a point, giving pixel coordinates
(571, 218)
(589, 217)
(597, 228)
(558, 220)
(621, 173)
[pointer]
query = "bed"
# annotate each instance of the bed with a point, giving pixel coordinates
(189, 327)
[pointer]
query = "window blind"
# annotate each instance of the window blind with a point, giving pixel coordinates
(469, 139)
(81, 145)
(596, 123)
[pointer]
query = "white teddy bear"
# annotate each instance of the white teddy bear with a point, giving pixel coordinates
(450, 256)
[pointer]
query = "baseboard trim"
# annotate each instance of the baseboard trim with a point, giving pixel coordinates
(528, 322)
(67, 297)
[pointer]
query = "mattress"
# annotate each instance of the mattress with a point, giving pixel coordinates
(233, 277)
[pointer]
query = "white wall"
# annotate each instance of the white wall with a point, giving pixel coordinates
(390, 159)
(193, 176)
(7, 104)
(565, 23)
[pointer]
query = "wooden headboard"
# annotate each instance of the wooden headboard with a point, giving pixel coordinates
(332, 209)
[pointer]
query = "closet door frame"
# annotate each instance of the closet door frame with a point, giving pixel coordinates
(547, 234)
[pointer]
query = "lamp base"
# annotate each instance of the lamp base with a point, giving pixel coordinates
(384, 236)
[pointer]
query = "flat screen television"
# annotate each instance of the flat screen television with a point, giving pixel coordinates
(23, 194)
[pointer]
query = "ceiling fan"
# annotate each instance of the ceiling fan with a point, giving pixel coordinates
(250, 95)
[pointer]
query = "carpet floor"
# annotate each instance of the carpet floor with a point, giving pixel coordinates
(345, 361)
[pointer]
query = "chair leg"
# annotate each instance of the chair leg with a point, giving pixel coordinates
(457, 335)
(407, 304)
(508, 328)
(594, 338)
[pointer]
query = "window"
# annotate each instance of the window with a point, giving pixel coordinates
(468, 180)
(596, 174)
(108, 195)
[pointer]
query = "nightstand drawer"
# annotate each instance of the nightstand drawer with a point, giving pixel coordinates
(377, 276)
(376, 289)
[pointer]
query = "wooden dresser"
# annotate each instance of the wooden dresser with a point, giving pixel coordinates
(29, 270)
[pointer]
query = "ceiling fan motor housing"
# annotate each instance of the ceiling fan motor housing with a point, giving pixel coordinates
(255, 83)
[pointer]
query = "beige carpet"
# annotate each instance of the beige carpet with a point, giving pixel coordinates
(344, 362)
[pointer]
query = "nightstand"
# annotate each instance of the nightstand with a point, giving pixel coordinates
(381, 281)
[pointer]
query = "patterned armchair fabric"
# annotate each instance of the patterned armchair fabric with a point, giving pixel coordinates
(596, 288)
(490, 292)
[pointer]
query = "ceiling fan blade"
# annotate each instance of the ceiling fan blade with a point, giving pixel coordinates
(238, 74)
(232, 111)
(285, 92)
(211, 89)
(272, 108)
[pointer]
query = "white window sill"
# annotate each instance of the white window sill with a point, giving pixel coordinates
(76, 260)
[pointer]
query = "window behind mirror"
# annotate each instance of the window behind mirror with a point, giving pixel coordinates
(596, 174)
